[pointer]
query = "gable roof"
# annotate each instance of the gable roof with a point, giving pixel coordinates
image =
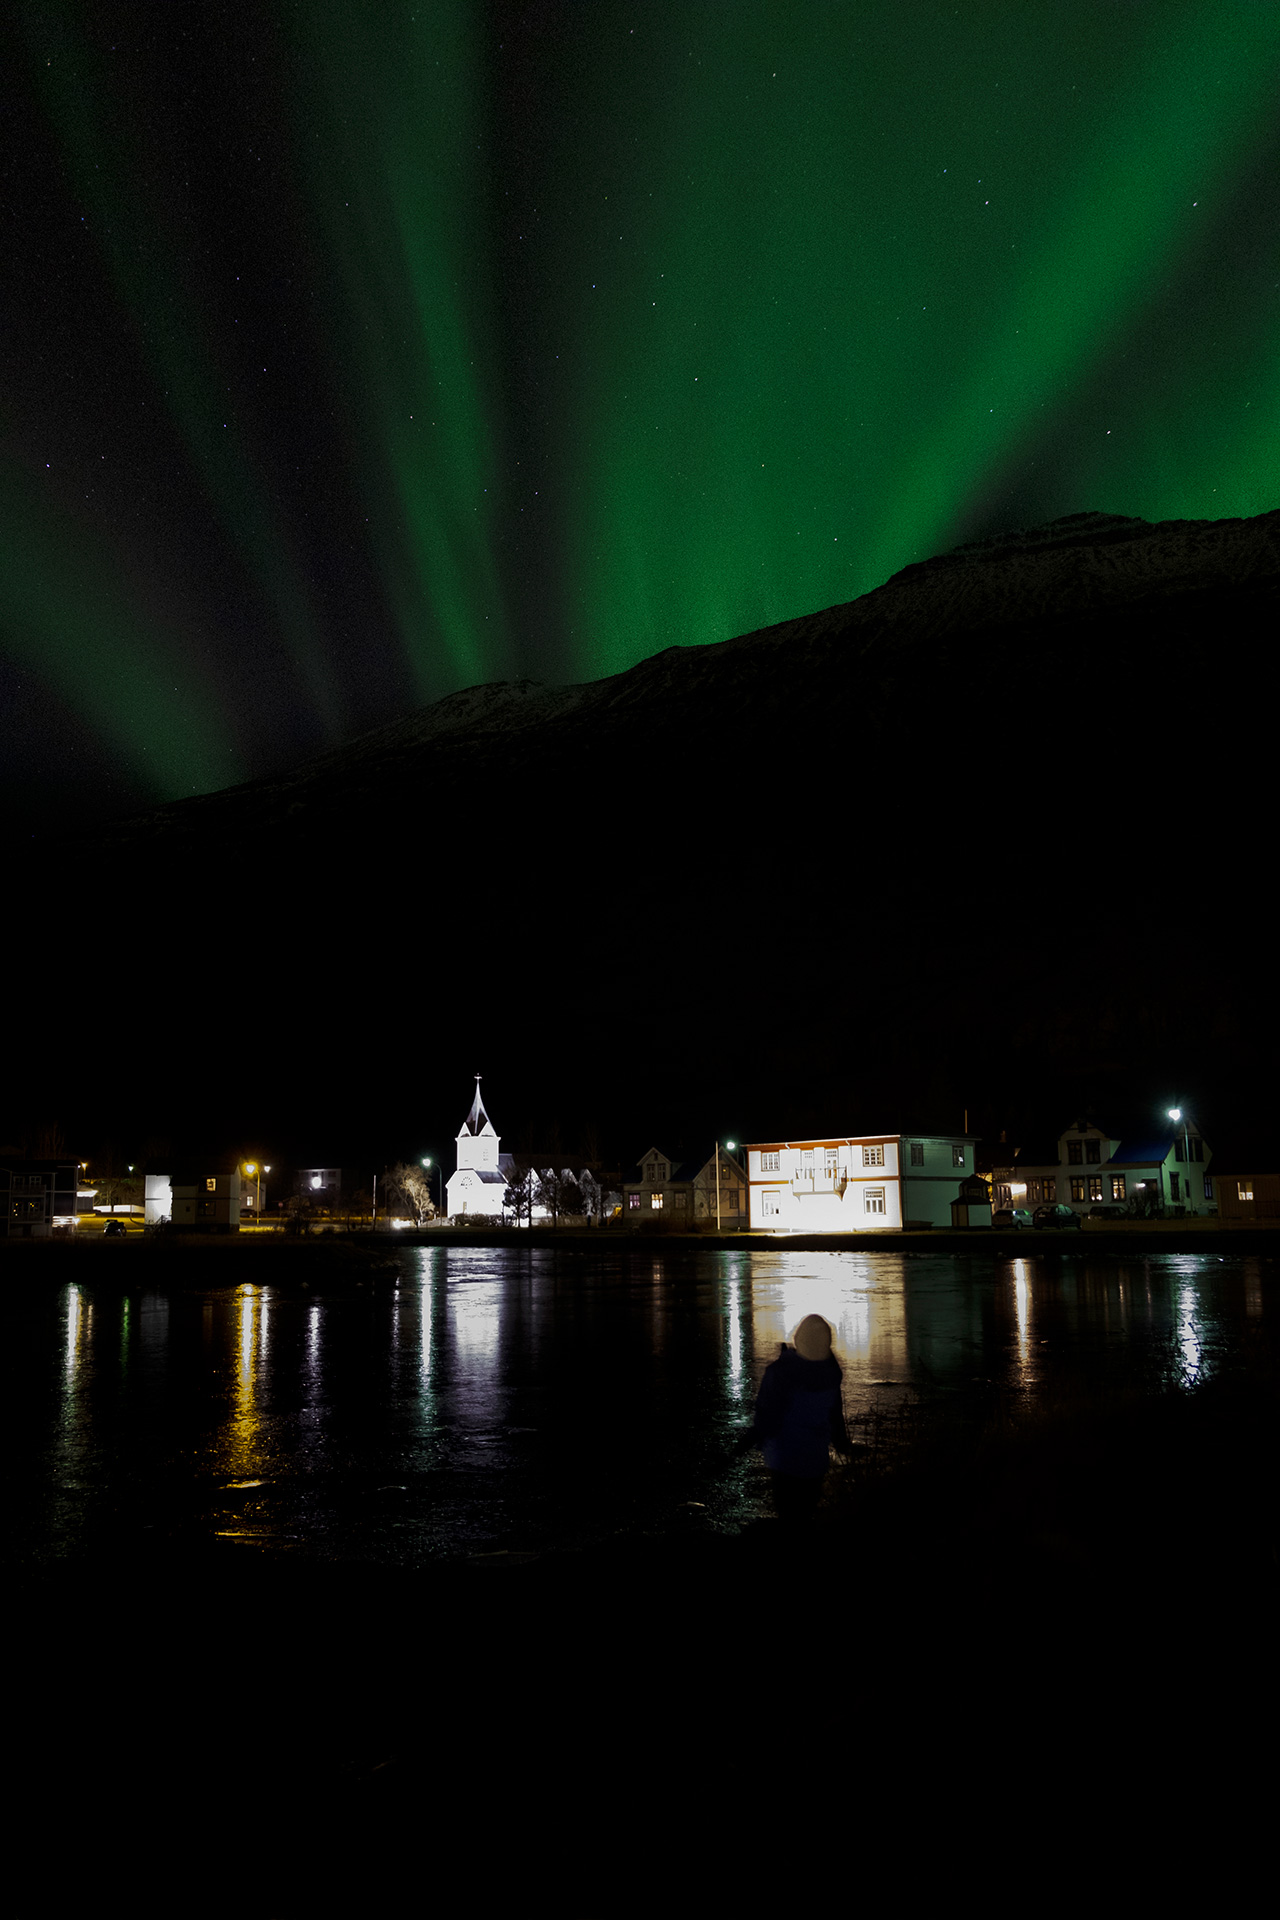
(1142, 1153)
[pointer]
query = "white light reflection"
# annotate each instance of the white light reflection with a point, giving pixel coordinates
(475, 1309)
(836, 1285)
(1022, 1310)
(1190, 1340)
(76, 1318)
(733, 1321)
(313, 1347)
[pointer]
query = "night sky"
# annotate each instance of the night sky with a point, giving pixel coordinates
(355, 353)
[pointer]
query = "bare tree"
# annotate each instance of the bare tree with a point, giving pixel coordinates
(408, 1185)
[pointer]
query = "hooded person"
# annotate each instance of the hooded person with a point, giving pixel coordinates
(800, 1416)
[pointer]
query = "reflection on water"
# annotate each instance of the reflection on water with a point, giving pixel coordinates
(476, 1395)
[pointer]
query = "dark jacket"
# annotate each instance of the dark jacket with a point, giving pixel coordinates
(799, 1414)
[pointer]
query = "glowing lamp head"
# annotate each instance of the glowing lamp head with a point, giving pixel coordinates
(1175, 1113)
(249, 1167)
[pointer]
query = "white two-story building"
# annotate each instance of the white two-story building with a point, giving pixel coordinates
(863, 1183)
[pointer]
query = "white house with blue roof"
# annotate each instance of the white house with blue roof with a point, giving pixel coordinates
(1089, 1169)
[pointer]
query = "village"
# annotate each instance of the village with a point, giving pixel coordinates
(857, 1183)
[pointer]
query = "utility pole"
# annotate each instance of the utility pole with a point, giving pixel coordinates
(717, 1186)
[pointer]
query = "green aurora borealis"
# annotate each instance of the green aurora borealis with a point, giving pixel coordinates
(359, 353)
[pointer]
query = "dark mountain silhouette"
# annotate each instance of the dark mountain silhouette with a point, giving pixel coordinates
(996, 835)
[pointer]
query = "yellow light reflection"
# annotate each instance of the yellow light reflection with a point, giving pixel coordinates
(243, 1456)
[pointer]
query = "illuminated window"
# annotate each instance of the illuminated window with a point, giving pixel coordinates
(655, 1201)
(957, 1156)
(1075, 1153)
(1244, 1189)
(633, 1200)
(768, 1163)
(873, 1199)
(917, 1153)
(1092, 1152)
(1095, 1186)
(1004, 1197)
(1077, 1186)
(873, 1157)
(1208, 1186)
(211, 1186)
(1117, 1186)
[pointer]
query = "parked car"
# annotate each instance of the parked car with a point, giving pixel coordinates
(1011, 1217)
(114, 1228)
(1058, 1216)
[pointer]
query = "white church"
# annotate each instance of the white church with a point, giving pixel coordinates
(479, 1181)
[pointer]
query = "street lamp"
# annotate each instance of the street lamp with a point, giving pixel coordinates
(252, 1169)
(1175, 1114)
(428, 1163)
(730, 1144)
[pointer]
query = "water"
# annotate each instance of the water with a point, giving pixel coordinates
(481, 1400)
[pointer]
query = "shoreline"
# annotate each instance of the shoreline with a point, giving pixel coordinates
(259, 1244)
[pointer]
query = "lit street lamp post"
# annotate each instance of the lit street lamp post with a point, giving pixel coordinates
(730, 1144)
(255, 1172)
(428, 1164)
(1175, 1114)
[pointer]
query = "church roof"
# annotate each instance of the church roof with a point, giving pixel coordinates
(477, 1121)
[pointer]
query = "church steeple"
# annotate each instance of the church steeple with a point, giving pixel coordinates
(478, 1138)
(477, 1120)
